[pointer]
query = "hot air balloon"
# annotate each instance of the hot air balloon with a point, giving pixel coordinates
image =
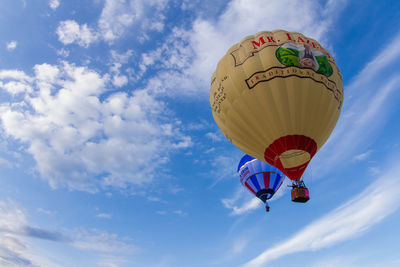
(277, 96)
(262, 179)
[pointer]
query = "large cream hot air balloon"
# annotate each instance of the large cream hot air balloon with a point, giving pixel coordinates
(277, 96)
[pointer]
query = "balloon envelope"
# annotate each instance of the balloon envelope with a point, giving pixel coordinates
(262, 179)
(277, 96)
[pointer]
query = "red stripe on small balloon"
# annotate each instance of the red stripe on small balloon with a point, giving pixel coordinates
(267, 177)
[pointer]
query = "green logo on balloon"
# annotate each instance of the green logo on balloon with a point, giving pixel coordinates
(303, 56)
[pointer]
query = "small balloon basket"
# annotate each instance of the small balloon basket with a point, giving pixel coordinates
(300, 194)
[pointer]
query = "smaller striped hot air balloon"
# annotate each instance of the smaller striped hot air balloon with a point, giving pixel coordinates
(262, 179)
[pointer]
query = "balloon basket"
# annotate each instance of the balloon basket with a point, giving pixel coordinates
(300, 195)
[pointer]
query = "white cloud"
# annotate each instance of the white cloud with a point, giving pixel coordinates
(374, 170)
(15, 88)
(5, 163)
(15, 250)
(215, 136)
(348, 221)
(108, 264)
(179, 212)
(69, 32)
(46, 72)
(54, 4)
(362, 156)
(102, 241)
(104, 215)
(15, 82)
(14, 74)
(161, 212)
(154, 199)
(119, 81)
(45, 211)
(243, 201)
(11, 45)
(239, 245)
(338, 261)
(63, 52)
(175, 212)
(223, 167)
(84, 141)
(184, 143)
(121, 58)
(174, 189)
(355, 259)
(116, 18)
(12, 218)
(117, 61)
(246, 206)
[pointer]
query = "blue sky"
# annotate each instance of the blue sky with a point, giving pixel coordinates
(109, 155)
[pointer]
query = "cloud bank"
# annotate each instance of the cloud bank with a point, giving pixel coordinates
(83, 139)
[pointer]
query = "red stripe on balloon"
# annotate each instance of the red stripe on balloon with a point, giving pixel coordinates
(290, 142)
(267, 177)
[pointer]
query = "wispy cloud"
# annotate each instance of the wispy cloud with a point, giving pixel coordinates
(54, 4)
(114, 21)
(243, 201)
(161, 212)
(348, 221)
(104, 215)
(15, 250)
(337, 261)
(5, 163)
(367, 103)
(70, 31)
(16, 87)
(362, 156)
(223, 167)
(153, 199)
(11, 45)
(374, 170)
(115, 17)
(180, 212)
(174, 212)
(97, 240)
(117, 61)
(215, 136)
(246, 206)
(13, 221)
(45, 211)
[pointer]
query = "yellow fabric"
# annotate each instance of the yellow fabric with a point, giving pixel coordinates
(257, 96)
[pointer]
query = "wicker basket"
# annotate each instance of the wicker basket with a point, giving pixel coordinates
(300, 195)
